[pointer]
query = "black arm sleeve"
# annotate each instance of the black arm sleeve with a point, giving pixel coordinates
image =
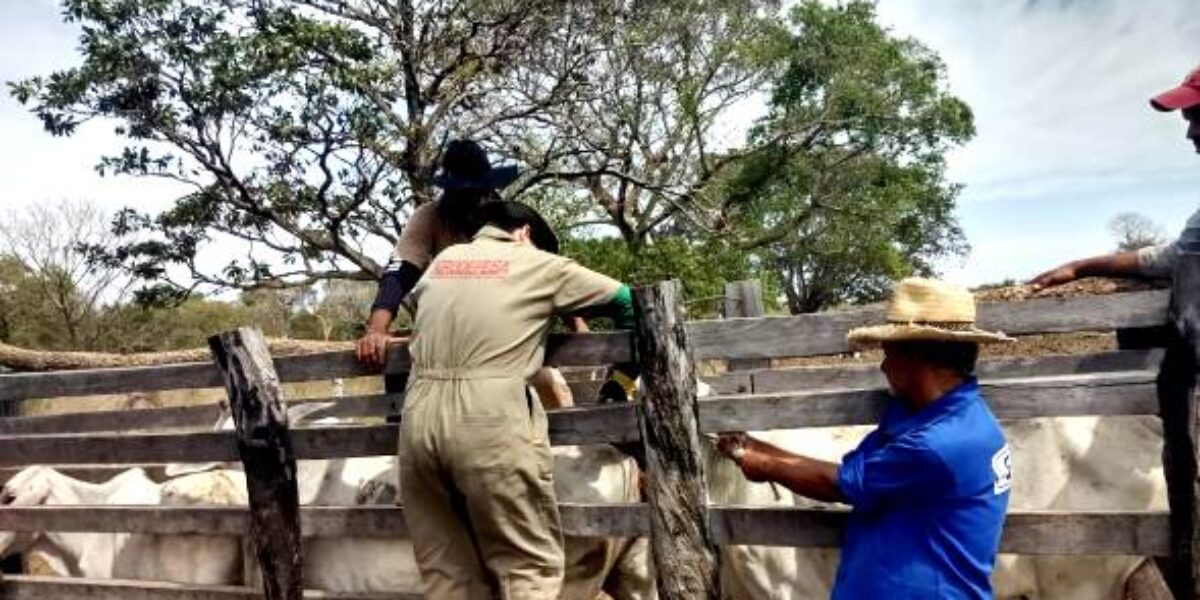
(397, 281)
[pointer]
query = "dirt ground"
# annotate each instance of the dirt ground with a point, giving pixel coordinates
(1032, 345)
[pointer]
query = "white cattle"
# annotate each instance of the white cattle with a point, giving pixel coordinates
(355, 564)
(197, 559)
(1059, 464)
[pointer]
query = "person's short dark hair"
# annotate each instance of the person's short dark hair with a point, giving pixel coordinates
(959, 357)
(509, 216)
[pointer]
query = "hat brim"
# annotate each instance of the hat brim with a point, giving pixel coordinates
(870, 336)
(1176, 99)
(496, 179)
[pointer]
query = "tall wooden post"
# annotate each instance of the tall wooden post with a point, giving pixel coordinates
(1177, 406)
(682, 545)
(744, 299)
(256, 401)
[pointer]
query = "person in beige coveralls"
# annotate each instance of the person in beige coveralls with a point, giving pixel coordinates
(475, 460)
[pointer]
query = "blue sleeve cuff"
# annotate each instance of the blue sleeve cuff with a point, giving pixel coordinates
(850, 479)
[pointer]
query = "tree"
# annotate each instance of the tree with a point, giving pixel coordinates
(1135, 231)
(648, 138)
(704, 266)
(341, 308)
(307, 129)
(849, 193)
(51, 243)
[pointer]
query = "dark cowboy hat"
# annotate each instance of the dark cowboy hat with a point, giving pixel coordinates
(465, 165)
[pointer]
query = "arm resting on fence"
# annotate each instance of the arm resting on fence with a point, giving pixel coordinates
(1120, 264)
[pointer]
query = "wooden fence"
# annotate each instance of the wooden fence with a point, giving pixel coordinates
(669, 422)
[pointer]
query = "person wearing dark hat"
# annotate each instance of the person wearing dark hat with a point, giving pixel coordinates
(467, 179)
(1155, 262)
(476, 468)
(930, 486)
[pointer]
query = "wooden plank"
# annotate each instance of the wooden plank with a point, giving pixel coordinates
(605, 520)
(775, 337)
(117, 448)
(593, 424)
(579, 520)
(1030, 533)
(1033, 533)
(585, 426)
(1097, 394)
(1177, 401)
(33, 587)
(825, 333)
(869, 376)
(367, 405)
(744, 299)
(363, 521)
(1110, 394)
(87, 382)
(561, 349)
(114, 420)
(256, 402)
(682, 547)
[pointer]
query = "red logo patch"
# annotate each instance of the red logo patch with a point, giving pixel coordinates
(471, 269)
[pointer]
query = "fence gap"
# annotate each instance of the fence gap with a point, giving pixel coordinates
(1177, 407)
(682, 544)
(256, 401)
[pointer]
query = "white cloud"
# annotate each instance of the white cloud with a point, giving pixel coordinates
(1066, 137)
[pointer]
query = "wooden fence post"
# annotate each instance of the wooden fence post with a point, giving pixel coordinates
(256, 401)
(744, 299)
(1177, 407)
(681, 541)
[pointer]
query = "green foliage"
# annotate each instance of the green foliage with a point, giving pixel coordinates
(307, 130)
(703, 267)
(849, 194)
(26, 319)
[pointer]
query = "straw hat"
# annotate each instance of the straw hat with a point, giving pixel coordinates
(928, 310)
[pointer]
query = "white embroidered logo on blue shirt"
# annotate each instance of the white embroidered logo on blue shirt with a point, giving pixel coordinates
(1002, 467)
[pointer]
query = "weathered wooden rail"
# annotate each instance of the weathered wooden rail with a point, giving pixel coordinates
(1123, 382)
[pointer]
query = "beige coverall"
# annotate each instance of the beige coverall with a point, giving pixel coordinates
(475, 462)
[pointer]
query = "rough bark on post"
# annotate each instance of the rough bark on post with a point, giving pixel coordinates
(681, 542)
(1177, 407)
(744, 299)
(256, 401)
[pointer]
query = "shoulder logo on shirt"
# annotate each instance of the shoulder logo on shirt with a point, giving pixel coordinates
(1002, 468)
(470, 269)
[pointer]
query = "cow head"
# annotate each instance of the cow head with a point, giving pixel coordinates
(32, 486)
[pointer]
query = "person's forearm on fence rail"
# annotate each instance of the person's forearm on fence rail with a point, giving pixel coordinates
(1121, 264)
(397, 281)
(763, 462)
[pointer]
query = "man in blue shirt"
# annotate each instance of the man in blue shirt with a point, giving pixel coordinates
(930, 486)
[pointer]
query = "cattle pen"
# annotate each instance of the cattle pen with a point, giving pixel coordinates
(1153, 374)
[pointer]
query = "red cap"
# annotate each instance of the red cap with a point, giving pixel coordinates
(1186, 95)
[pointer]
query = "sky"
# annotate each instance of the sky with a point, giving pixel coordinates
(1059, 88)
